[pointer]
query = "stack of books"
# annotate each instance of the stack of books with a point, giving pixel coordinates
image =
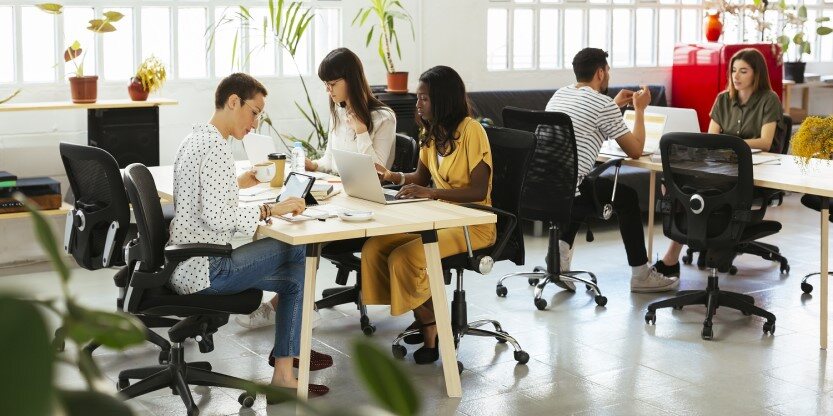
(322, 190)
(45, 192)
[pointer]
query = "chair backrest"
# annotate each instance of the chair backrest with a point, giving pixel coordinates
(511, 154)
(783, 134)
(550, 183)
(709, 182)
(141, 189)
(406, 154)
(101, 214)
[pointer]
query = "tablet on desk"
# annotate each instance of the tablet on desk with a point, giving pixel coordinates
(297, 185)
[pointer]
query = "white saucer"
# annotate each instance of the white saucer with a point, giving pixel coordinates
(356, 216)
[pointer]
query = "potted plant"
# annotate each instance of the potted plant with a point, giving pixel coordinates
(387, 12)
(814, 139)
(84, 88)
(149, 77)
(794, 19)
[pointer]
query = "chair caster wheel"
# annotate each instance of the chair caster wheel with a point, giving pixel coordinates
(785, 268)
(399, 351)
(687, 259)
(501, 340)
(601, 300)
(522, 357)
(539, 269)
(707, 332)
(651, 318)
(122, 384)
(460, 367)
(164, 357)
(733, 270)
(533, 282)
(541, 304)
(368, 329)
(246, 399)
(501, 291)
(806, 287)
(769, 327)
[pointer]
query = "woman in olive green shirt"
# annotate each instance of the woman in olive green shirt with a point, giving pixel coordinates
(748, 109)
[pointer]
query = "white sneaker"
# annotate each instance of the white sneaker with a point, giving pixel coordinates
(262, 316)
(265, 316)
(566, 257)
(653, 281)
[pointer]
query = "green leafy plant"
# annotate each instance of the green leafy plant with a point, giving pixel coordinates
(794, 19)
(73, 52)
(151, 74)
(387, 12)
(285, 26)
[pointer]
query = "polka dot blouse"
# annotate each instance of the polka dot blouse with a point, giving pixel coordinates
(205, 199)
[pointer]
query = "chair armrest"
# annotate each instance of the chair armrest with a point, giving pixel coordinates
(181, 252)
(589, 182)
(512, 222)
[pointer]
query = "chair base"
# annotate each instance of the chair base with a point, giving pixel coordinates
(178, 376)
(150, 336)
(806, 287)
(755, 248)
(342, 295)
(712, 298)
(461, 327)
(540, 277)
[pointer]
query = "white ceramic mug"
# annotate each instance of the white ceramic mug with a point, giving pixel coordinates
(264, 171)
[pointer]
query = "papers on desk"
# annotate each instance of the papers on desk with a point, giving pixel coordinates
(766, 159)
(319, 212)
(258, 193)
(611, 148)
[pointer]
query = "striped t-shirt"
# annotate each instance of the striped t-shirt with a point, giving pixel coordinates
(595, 118)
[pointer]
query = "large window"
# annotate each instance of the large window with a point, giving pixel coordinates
(546, 34)
(173, 31)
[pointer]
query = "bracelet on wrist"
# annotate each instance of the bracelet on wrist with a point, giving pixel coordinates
(401, 178)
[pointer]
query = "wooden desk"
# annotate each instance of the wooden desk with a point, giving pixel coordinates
(788, 176)
(46, 213)
(799, 114)
(423, 217)
(100, 104)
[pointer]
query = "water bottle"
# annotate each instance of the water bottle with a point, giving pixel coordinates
(298, 158)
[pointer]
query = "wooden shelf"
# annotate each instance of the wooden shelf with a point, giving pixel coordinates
(69, 105)
(46, 213)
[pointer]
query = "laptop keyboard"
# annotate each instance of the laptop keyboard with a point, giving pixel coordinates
(389, 197)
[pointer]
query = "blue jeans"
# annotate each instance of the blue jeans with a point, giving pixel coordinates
(269, 265)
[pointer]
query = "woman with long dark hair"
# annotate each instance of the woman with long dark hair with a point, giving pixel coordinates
(359, 122)
(455, 155)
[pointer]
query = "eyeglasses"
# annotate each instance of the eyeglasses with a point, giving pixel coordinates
(329, 85)
(258, 114)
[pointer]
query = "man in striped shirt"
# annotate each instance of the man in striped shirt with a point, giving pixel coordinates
(596, 118)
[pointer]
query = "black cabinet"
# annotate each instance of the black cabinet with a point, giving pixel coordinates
(404, 105)
(129, 134)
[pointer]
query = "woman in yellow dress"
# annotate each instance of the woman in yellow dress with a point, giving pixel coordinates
(455, 155)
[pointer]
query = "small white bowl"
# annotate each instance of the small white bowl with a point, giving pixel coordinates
(356, 216)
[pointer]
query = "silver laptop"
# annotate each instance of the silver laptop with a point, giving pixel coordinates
(358, 176)
(258, 147)
(654, 125)
(677, 120)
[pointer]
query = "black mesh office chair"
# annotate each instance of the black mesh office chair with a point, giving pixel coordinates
(814, 202)
(99, 225)
(343, 253)
(708, 206)
(511, 154)
(148, 295)
(763, 198)
(549, 193)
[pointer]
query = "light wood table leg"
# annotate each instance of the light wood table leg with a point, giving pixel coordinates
(312, 258)
(805, 101)
(825, 222)
(787, 97)
(442, 314)
(652, 186)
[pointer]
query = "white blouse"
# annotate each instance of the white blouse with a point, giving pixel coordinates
(205, 199)
(379, 144)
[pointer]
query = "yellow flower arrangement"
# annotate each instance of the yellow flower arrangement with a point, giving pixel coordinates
(151, 74)
(814, 139)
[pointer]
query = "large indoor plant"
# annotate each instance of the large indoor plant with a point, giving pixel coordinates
(84, 88)
(814, 139)
(149, 77)
(386, 13)
(793, 33)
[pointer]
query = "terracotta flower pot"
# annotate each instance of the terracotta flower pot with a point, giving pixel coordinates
(136, 90)
(713, 27)
(84, 89)
(398, 83)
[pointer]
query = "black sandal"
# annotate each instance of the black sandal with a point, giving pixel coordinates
(414, 339)
(426, 355)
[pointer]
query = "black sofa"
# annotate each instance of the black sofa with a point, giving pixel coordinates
(489, 104)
